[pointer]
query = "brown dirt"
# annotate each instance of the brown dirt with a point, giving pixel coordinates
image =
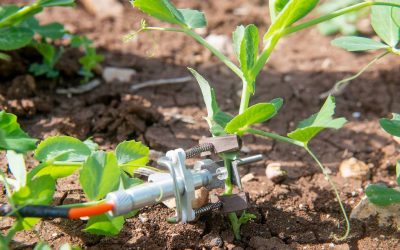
(300, 213)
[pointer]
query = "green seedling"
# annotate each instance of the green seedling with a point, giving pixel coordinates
(386, 23)
(19, 28)
(380, 194)
(286, 16)
(60, 156)
(346, 24)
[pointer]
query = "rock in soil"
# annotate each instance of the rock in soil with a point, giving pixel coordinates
(248, 177)
(353, 168)
(104, 8)
(273, 243)
(387, 216)
(21, 87)
(212, 240)
(275, 173)
(201, 199)
(119, 75)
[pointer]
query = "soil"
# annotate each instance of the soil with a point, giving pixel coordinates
(300, 213)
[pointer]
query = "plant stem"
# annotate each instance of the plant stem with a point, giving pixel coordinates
(228, 191)
(327, 176)
(245, 99)
(20, 13)
(334, 14)
(275, 137)
(235, 69)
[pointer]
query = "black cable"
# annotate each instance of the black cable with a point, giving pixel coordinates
(37, 211)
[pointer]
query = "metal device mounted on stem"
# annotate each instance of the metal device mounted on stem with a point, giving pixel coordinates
(182, 182)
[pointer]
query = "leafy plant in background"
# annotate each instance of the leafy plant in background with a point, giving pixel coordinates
(19, 28)
(379, 194)
(386, 23)
(60, 156)
(345, 24)
(285, 17)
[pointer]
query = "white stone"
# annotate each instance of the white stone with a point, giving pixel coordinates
(122, 75)
(275, 173)
(353, 168)
(104, 8)
(248, 177)
(201, 199)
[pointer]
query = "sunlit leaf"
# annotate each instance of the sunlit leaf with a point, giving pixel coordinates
(100, 175)
(257, 113)
(38, 191)
(16, 164)
(310, 127)
(132, 155)
(62, 148)
(193, 18)
(384, 25)
(355, 43)
(12, 137)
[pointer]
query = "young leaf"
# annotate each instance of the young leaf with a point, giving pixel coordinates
(128, 182)
(293, 11)
(67, 246)
(99, 175)
(12, 38)
(381, 195)
(398, 172)
(384, 25)
(160, 9)
(193, 18)
(8, 10)
(16, 164)
(355, 43)
(104, 225)
(310, 127)
(62, 148)
(132, 155)
(280, 4)
(255, 114)
(396, 16)
(12, 137)
(391, 126)
(245, 42)
(38, 191)
(216, 119)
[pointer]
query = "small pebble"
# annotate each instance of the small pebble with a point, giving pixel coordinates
(275, 173)
(354, 168)
(356, 115)
(143, 218)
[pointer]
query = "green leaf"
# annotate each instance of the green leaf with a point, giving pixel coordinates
(12, 137)
(91, 144)
(59, 149)
(216, 119)
(310, 127)
(384, 25)
(396, 16)
(38, 191)
(245, 42)
(100, 175)
(8, 10)
(391, 126)
(16, 164)
(132, 155)
(51, 3)
(128, 182)
(193, 18)
(160, 9)
(355, 43)
(52, 30)
(3, 242)
(42, 246)
(245, 217)
(257, 113)
(62, 148)
(104, 225)
(67, 246)
(280, 4)
(14, 38)
(381, 195)
(293, 11)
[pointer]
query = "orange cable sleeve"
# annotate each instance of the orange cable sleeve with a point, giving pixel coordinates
(76, 213)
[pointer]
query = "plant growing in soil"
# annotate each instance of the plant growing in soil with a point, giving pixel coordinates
(59, 157)
(19, 28)
(380, 194)
(386, 23)
(285, 17)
